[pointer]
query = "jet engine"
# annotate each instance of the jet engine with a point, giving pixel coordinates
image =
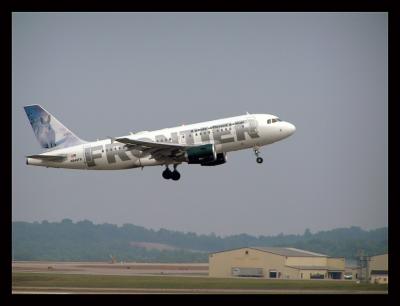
(221, 159)
(201, 154)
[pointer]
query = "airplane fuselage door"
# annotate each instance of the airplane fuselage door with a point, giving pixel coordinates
(87, 154)
(253, 124)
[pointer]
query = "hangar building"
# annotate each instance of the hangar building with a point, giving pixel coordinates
(378, 269)
(275, 263)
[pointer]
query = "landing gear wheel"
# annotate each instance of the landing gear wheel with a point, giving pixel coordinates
(257, 152)
(175, 175)
(167, 174)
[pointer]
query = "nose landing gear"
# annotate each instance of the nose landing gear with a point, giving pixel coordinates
(257, 152)
(168, 174)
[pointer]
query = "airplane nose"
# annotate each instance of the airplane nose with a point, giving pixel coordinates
(291, 128)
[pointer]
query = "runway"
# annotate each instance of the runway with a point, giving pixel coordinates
(104, 268)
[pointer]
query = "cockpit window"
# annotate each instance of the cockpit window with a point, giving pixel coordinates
(269, 121)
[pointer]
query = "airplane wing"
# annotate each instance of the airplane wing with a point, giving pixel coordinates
(156, 149)
(150, 144)
(55, 158)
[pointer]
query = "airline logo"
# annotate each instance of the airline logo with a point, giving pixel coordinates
(223, 133)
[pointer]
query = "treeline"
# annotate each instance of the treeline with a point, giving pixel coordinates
(85, 241)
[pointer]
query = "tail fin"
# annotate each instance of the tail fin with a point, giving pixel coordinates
(48, 130)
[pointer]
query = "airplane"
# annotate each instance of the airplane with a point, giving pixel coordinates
(205, 143)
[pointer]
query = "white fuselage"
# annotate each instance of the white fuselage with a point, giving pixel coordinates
(228, 134)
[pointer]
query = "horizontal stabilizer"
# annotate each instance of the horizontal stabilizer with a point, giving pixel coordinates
(54, 158)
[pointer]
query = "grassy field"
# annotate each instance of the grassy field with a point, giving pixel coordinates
(38, 280)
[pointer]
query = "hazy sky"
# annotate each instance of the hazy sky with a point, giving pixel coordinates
(105, 74)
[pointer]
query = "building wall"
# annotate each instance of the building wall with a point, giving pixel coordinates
(379, 262)
(336, 262)
(306, 261)
(380, 279)
(290, 273)
(220, 264)
(306, 274)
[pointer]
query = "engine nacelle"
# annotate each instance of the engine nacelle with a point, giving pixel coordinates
(221, 159)
(201, 154)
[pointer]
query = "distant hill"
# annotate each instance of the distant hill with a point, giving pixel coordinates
(85, 241)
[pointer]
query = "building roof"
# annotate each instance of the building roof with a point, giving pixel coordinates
(290, 252)
(384, 254)
(379, 272)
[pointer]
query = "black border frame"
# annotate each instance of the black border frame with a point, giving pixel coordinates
(199, 6)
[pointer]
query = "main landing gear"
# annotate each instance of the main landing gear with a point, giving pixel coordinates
(168, 174)
(257, 152)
